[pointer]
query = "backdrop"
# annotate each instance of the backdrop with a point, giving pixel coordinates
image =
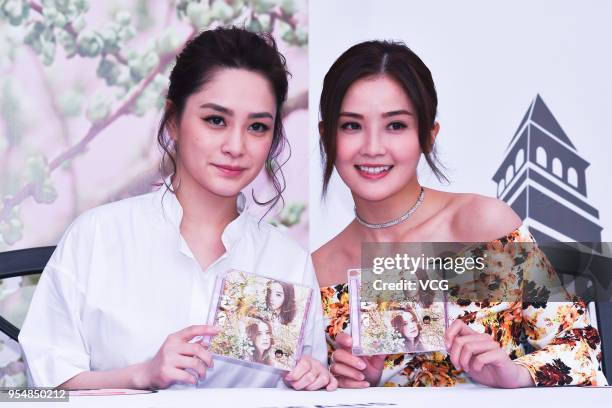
(82, 85)
(523, 89)
(523, 92)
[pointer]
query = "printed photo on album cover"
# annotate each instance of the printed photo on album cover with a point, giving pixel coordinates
(261, 319)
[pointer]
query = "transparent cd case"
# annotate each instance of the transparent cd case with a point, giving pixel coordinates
(394, 326)
(262, 320)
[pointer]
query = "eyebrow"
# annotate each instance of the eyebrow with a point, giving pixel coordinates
(396, 113)
(384, 115)
(227, 111)
(351, 115)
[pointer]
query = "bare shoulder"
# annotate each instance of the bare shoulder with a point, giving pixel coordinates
(322, 255)
(331, 260)
(482, 218)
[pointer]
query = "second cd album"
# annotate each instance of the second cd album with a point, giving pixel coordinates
(400, 325)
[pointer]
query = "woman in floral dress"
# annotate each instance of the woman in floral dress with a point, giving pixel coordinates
(378, 108)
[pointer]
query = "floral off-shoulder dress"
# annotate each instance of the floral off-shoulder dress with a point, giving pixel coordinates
(553, 340)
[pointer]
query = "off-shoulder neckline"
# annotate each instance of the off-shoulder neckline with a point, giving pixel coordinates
(521, 229)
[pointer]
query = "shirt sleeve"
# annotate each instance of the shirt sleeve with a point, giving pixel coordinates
(566, 347)
(51, 337)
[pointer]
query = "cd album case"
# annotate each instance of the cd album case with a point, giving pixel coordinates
(262, 320)
(397, 326)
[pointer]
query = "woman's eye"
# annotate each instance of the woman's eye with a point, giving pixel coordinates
(215, 120)
(259, 127)
(350, 126)
(396, 126)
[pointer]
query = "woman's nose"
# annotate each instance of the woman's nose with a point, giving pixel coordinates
(373, 145)
(233, 144)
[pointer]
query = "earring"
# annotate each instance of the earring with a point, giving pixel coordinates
(240, 202)
(178, 183)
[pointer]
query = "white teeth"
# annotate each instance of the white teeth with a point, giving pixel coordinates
(373, 170)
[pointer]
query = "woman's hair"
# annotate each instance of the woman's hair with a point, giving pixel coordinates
(375, 58)
(200, 59)
(252, 331)
(398, 321)
(287, 309)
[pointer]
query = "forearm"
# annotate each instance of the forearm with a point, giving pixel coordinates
(128, 377)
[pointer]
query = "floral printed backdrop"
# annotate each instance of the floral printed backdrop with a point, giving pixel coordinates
(81, 93)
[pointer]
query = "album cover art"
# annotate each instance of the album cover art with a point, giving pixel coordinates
(394, 325)
(262, 319)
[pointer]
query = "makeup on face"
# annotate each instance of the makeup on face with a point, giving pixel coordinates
(377, 138)
(221, 118)
(229, 171)
(226, 131)
(373, 171)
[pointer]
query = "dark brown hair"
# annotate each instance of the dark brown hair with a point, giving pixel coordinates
(398, 322)
(252, 332)
(201, 57)
(287, 309)
(373, 58)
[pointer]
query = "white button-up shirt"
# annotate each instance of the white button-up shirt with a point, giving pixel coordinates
(123, 278)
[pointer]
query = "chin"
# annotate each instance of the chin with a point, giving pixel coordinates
(379, 193)
(223, 187)
(223, 190)
(375, 190)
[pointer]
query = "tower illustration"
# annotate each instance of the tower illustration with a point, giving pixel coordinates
(542, 177)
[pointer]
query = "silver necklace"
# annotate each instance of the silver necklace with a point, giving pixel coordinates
(396, 221)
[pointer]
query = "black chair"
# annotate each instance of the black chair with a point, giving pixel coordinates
(21, 262)
(590, 271)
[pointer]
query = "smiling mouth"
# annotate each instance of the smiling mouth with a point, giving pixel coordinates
(229, 170)
(373, 171)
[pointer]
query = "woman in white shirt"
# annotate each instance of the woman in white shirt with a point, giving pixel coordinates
(130, 283)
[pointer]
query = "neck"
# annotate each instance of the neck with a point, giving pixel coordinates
(410, 342)
(393, 207)
(209, 212)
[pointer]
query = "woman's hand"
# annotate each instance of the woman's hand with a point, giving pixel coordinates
(174, 357)
(309, 374)
(354, 371)
(483, 359)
